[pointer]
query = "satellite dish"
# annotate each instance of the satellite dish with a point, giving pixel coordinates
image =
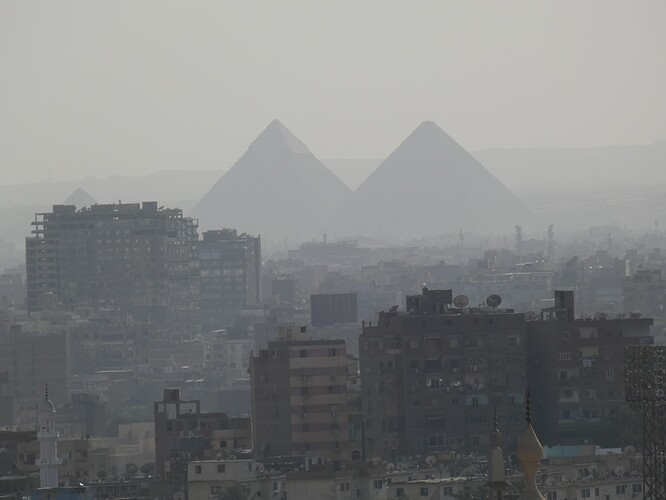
(493, 300)
(461, 301)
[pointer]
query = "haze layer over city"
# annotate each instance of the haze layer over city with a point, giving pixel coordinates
(357, 250)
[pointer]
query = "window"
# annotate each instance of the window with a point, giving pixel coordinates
(377, 484)
(424, 491)
(621, 489)
(435, 440)
(400, 492)
(331, 352)
(564, 356)
(552, 495)
(565, 336)
(636, 488)
(221, 468)
(304, 353)
(223, 444)
(585, 493)
(197, 469)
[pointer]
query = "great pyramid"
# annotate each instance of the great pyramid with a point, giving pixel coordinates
(429, 186)
(278, 189)
(80, 198)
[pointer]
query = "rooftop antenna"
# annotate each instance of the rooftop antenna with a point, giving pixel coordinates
(551, 242)
(519, 242)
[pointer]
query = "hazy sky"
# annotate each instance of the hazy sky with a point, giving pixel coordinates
(97, 88)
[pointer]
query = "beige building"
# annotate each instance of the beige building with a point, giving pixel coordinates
(208, 478)
(300, 399)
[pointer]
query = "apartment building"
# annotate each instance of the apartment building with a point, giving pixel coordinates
(577, 365)
(300, 399)
(230, 266)
(433, 376)
(140, 258)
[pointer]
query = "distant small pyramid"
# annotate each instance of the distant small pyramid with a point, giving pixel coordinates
(80, 199)
(278, 188)
(430, 185)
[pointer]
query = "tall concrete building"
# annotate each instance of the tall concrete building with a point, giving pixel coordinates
(230, 266)
(433, 376)
(300, 399)
(136, 257)
(576, 367)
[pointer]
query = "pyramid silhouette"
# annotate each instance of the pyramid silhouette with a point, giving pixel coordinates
(80, 199)
(429, 185)
(278, 188)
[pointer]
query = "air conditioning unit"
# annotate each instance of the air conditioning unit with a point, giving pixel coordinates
(472, 368)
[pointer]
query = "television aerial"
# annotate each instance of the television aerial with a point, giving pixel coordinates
(461, 301)
(493, 300)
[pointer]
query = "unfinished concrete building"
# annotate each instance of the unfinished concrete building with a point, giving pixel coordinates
(134, 257)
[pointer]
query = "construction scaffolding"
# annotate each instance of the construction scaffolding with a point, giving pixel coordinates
(645, 390)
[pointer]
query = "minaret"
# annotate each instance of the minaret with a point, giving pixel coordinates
(530, 453)
(496, 476)
(48, 444)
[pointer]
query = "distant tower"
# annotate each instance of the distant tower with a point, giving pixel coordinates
(496, 476)
(530, 453)
(48, 444)
(461, 235)
(551, 242)
(519, 242)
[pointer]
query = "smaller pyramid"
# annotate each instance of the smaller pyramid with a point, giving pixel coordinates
(80, 199)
